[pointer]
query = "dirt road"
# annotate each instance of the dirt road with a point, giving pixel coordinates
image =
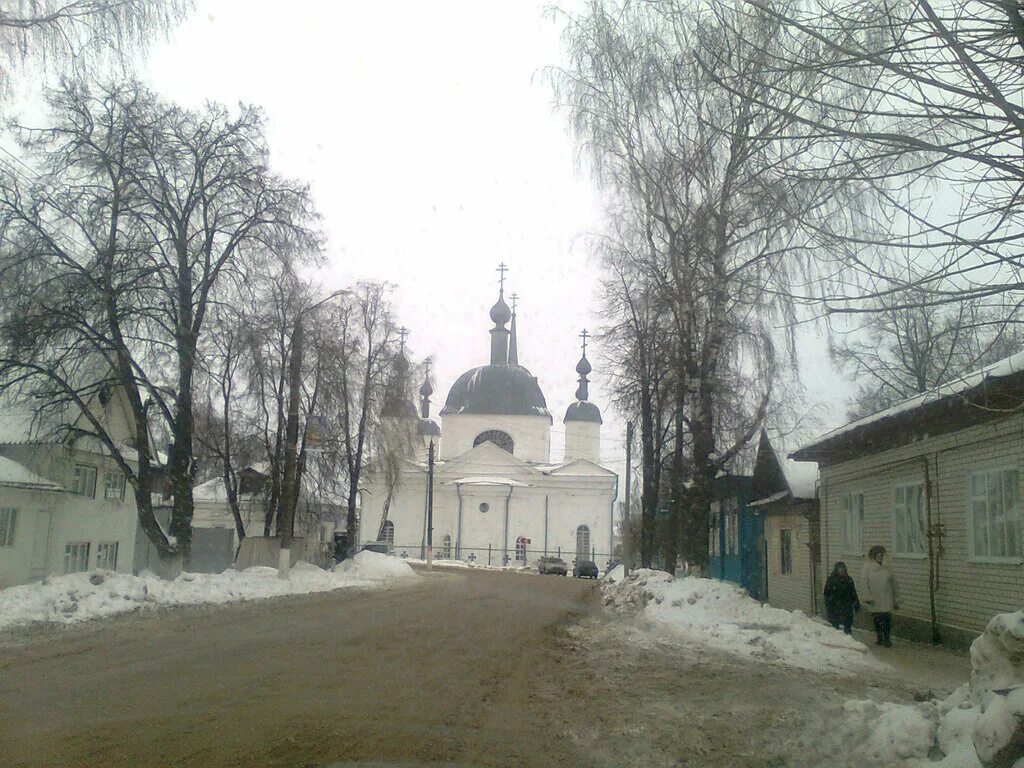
(480, 668)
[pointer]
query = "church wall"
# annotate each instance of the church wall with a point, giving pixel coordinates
(531, 434)
(569, 505)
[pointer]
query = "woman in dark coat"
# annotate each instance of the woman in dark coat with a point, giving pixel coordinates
(841, 598)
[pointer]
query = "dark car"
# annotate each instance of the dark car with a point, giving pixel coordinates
(555, 565)
(585, 569)
(376, 546)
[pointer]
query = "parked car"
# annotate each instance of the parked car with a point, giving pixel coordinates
(555, 565)
(584, 569)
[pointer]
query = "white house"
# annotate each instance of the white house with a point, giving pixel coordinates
(498, 497)
(63, 505)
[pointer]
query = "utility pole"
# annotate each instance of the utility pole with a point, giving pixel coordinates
(626, 523)
(430, 506)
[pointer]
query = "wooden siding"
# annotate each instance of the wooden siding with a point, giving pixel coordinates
(794, 590)
(968, 593)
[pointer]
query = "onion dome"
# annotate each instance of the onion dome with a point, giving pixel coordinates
(583, 367)
(500, 312)
(506, 390)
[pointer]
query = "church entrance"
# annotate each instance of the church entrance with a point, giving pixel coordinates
(521, 544)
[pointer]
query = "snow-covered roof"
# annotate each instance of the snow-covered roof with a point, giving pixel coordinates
(14, 475)
(488, 480)
(802, 477)
(779, 496)
(1005, 367)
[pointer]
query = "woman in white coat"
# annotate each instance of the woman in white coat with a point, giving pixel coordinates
(879, 594)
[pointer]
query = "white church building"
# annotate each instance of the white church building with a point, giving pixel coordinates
(498, 497)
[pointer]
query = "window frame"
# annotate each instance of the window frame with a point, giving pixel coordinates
(388, 533)
(446, 546)
(503, 438)
(107, 475)
(8, 530)
(786, 552)
(896, 552)
(585, 529)
(101, 545)
(74, 475)
(845, 545)
(68, 552)
(987, 469)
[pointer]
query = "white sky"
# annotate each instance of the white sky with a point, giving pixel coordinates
(427, 133)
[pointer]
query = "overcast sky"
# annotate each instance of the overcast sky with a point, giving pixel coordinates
(428, 135)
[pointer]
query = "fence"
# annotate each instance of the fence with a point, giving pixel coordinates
(495, 555)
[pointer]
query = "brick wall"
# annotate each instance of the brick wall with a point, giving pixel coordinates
(968, 592)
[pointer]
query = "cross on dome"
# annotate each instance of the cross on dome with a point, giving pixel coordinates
(402, 333)
(514, 298)
(584, 335)
(502, 269)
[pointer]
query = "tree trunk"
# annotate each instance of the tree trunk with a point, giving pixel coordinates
(649, 495)
(290, 489)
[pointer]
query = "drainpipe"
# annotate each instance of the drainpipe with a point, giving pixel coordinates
(458, 533)
(611, 523)
(504, 557)
(545, 525)
(930, 533)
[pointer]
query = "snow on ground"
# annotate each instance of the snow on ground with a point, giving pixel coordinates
(980, 725)
(721, 615)
(441, 563)
(82, 596)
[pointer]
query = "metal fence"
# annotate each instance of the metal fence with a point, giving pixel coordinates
(495, 555)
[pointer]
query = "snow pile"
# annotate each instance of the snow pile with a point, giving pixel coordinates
(83, 596)
(615, 574)
(722, 615)
(980, 725)
(874, 733)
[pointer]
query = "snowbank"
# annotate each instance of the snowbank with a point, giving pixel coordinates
(82, 596)
(721, 615)
(980, 725)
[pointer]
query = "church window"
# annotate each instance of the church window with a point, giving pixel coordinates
(496, 436)
(446, 547)
(387, 534)
(521, 549)
(583, 543)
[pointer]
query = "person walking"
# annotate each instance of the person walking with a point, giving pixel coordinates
(841, 598)
(880, 594)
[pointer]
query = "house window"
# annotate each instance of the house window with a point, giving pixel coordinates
(908, 519)
(106, 555)
(496, 436)
(521, 549)
(995, 514)
(83, 481)
(583, 543)
(113, 486)
(446, 547)
(76, 556)
(734, 529)
(851, 522)
(8, 517)
(786, 551)
(387, 534)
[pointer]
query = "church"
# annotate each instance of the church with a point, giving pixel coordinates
(498, 498)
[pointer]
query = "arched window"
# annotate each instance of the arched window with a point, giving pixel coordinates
(446, 547)
(521, 549)
(583, 543)
(388, 533)
(496, 436)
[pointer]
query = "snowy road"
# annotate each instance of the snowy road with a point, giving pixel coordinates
(480, 668)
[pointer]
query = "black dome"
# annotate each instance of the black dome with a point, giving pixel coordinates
(579, 411)
(428, 428)
(504, 390)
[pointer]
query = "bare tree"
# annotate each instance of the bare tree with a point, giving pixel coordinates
(113, 255)
(699, 175)
(76, 34)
